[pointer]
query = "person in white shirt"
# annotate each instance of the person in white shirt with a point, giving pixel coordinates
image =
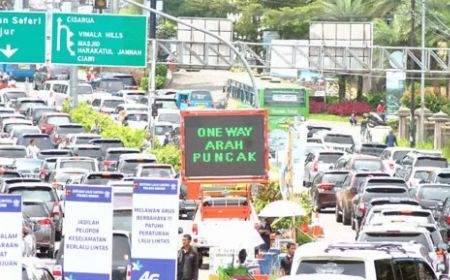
(33, 149)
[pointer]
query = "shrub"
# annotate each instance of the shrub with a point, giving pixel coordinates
(332, 100)
(374, 98)
(317, 107)
(346, 108)
(433, 101)
(168, 154)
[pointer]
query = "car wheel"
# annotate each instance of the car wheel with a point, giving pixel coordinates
(337, 214)
(346, 218)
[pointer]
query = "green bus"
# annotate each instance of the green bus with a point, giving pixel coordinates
(283, 100)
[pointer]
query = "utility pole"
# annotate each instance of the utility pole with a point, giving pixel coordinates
(152, 73)
(412, 128)
(422, 78)
(74, 69)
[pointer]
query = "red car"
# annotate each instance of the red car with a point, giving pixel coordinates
(49, 120)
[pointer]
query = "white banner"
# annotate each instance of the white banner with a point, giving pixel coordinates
(11, 237)
(88, 233)
(155, 229)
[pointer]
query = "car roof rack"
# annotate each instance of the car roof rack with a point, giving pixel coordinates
(385, 247)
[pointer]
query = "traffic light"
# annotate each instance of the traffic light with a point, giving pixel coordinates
(100, 4)
(154, 110)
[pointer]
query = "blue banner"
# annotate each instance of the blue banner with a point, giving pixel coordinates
(88, 193)
(10, 203)
(155, 229)
(85, 276)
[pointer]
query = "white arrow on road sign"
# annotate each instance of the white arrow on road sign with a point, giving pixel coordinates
(8, 52)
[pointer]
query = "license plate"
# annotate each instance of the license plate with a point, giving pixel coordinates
(24, 67)
(201, 105)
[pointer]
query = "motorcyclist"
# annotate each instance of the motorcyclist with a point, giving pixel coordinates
(381, 110)
(364, 124)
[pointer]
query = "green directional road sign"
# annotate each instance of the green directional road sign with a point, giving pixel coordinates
(22, 37)
(103, 40)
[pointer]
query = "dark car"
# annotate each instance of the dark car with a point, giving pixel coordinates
(112, 156)
(323, 188)
(59, 132)
(361, 201)
(121, 255)
(430, 195)
(106, 143)
(127, 79)
(372, 149)
(42, 141)
(350, 187)
(314, 128)
(50, 72)
(101, 178)
(110, 85)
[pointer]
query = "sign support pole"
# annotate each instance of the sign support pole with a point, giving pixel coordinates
(228, 44)
(152, 87)
(74, 70)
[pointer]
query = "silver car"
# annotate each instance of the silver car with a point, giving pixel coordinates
(320, 161)
(45, 229)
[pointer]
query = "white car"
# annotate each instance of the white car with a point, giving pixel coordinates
(84, 92)
(131, 96)
(168, 116)
(369, 261)
(392, 156)
(136, 119)
(106, 104)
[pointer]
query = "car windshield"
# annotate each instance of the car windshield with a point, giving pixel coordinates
(368, 165)
(28, 164)
(122, 220)
(162, 129)
(83, 164)
(85, 89)
(432, 162)
(159, 172)
(89, 152)
(137, 117)
(44, 195)
(15, 95)
(121, 248)
(443, 178)
(398, 155)
(339, 139)
(13, 153)
(35, 210)
(329, 157)
(58, 120)
(396, 237)
(167, 104)
(112, 103)
(169, 117)
(438, 193)
(129, 166)
(201, 95)
(113, 86)
(114, 155)
(70, 130)
(343, 267)
(64, 176)
(334, 178)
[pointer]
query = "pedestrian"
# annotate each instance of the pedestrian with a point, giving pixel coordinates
(286, 262)
(166, 139)
(265, 230)
(96, 127)
(391, 139)
(32, 149)
(381, 110)
(187, 264)
(353, 120)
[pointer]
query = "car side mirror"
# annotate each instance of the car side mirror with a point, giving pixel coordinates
(307, 184)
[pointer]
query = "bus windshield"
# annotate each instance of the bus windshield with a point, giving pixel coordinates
(284, 97)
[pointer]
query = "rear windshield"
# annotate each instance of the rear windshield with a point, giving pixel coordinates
(334, 178)
(396, 237)
(129, 166)
(85, 140)
(329, 157)
(39, 194)
(115, 155)
(137, 117)
(15, 95)
(64, 176)
(160, 172)
(43, 143)
(432, 162)
(438, 193)
(386, 190)
(167, 104)
(121, 249)
(342, 267)
(127, 80)
(162, 129)
(111, 85)
(201, 95)
(339, 139)
(122, 220)
(35, 210)
(367, 165)
(84, 89)
(70, 130)
(171, 118)
(112, 103)
(443, 178)
(58, 120)
(399, 155)
(13, 153)
(84, 164)
(102, 180)
(361, 178)
(89, 152)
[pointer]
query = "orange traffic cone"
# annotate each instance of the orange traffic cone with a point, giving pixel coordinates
(317, 230)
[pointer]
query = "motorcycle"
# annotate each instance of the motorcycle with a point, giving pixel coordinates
(375, 120)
